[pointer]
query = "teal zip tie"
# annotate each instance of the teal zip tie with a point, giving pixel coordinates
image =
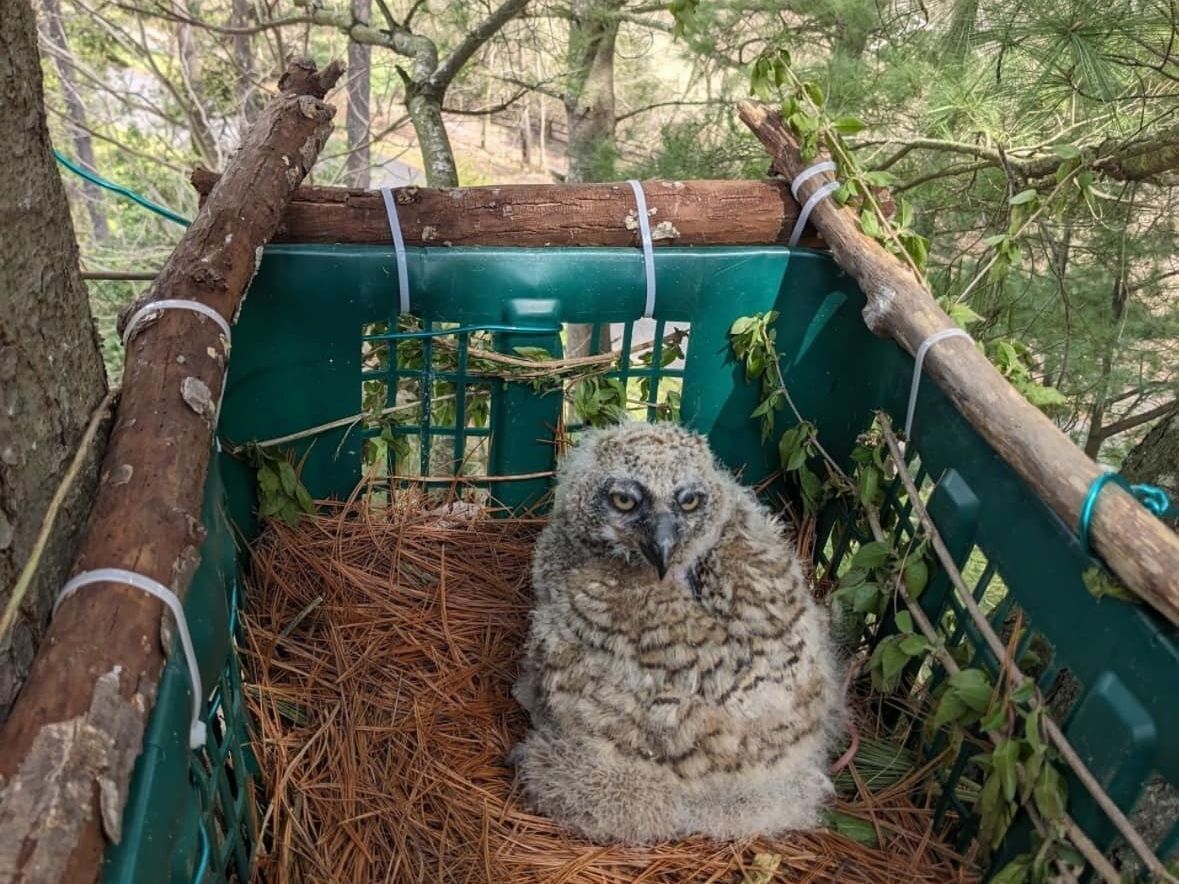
(1155, 499)
(98, 180)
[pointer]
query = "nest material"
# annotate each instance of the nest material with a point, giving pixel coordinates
(381, 647)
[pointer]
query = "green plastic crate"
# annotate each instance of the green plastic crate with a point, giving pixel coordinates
(298, 362)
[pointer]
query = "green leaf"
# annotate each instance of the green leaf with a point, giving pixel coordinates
(1005, 759)
(859, 830)
(270, 505)
(814, 92)
(869, 485)
(904, 621)
(1032, 729)
(914, 645)
(1051, 793)
(268, 481)
(853, 577)
(996, 719)
(290, 513)
(963, 315)
(286, 473)
(741, 325)
(536, 354)
(869, 224)
(848, 125)
(1066, 151)
(1024, 692)
(1024, 197)
(871, 555)
(797, 459)
(879, 178)
(916, 576)
(1101, 583)
(866, 598)
(1015, 872)
(303, 498)
(972, 686)
(949, 708)
(992, 241)
(811, 487)
(893, 661)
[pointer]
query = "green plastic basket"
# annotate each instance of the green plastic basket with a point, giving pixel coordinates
(303, 356)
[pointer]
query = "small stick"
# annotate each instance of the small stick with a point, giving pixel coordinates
(1123, 825)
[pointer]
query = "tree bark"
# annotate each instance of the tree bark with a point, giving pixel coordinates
(357, 165)
(76, 113)
(1135, 544)
(51, 373)
(1096, 436)
(77, 727)
(249, 99)
(204, 141)
(590, 119)
(1156, 458)
(589, 99)
(683, 213)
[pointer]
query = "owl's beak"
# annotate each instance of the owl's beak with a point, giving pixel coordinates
(660, 541)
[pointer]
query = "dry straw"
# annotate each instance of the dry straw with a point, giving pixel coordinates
(382, 643)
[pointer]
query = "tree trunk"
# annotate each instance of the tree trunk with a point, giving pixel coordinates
(1156, 458)
(204, 142)
(248, 96)
(51, 373)
(76, 111)
(357, 165)
(589, 100)
(589, 117)
(425, 112)
(1096, 434)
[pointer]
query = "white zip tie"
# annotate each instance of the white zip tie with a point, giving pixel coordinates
(919, 361)
(648, 251)
(821, 194)
(174, 304)
(197, 731)
(196, 307)
(398, 248)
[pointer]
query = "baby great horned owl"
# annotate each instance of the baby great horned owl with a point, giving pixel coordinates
(678, 674)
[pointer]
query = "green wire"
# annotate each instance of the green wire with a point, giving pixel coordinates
(119, 189)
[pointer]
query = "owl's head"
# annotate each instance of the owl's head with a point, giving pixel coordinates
(644, 491)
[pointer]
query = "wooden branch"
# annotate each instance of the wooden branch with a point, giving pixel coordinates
(1135, 420)
(682, 213)
(1135, 544)
(78, 725)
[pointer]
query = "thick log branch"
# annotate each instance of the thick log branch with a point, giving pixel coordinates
(681, 213)
(77, 727)
(1135, 544)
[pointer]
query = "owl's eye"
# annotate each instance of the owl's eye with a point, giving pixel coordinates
(622, 501)
(689, 501)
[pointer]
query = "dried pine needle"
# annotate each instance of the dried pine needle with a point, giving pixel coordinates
(381, 647)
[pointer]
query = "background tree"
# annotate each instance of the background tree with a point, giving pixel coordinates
(51, 375)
